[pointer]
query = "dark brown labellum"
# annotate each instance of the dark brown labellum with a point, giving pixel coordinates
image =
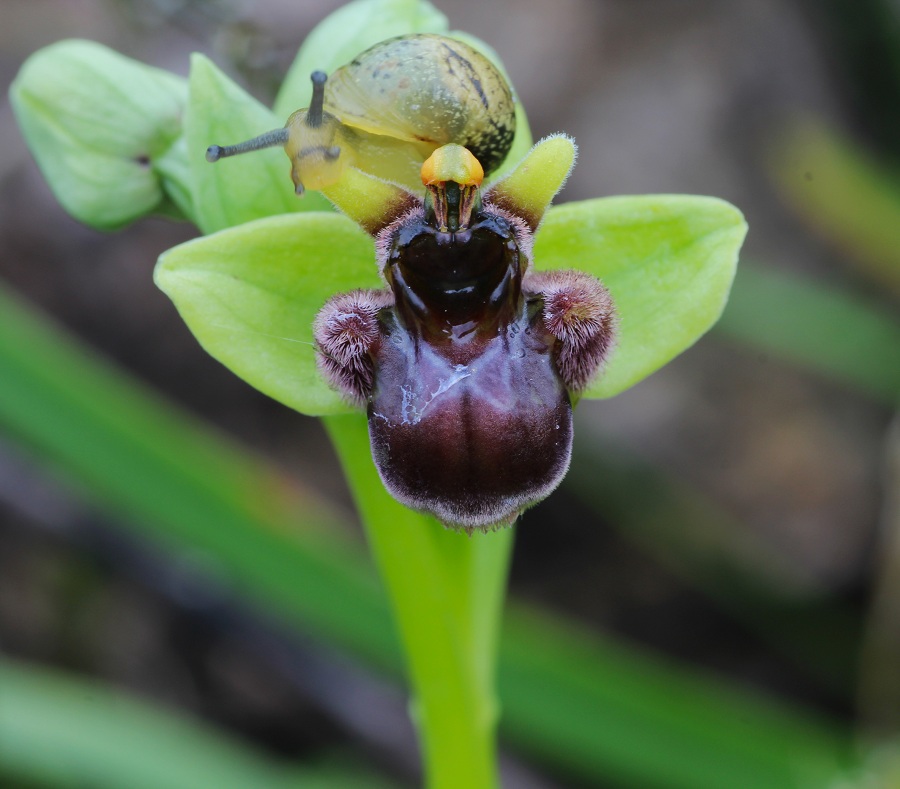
(469, 418)
(466, 377)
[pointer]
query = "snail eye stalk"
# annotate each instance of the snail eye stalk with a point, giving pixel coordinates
(270, 139)
(316, 111)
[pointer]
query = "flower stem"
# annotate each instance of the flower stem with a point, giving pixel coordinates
(447, 592)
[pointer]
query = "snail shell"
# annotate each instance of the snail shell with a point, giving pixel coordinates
(427, 89)
(390, 108)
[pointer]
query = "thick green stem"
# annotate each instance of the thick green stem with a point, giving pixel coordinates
(447, 593)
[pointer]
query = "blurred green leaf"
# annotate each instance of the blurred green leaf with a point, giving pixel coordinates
(97, 122)
(59, 731)
(702, 543)
(819, 327)
(668, 261)
(880, 770)
(242, 188)
(342, 35)
(176, 482)
(611, 713)
(845, 195)
(250, 295)
(587, 705)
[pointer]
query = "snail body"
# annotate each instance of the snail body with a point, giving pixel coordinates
(390, 108)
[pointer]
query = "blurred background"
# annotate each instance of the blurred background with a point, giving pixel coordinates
(732, 521)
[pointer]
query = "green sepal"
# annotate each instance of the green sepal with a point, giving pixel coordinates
(97, 123)
(241, 188)
(250, 295)
(175, 170)
(668, 261)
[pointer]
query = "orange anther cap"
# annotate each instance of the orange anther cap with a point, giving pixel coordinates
(452, 163)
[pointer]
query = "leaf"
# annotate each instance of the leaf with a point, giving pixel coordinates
(164, 475)
(617, 715)
(668, 261)
(241, 188)
(250, 295)
(342, 35)
(847, 338)
(697, 539)
(97, 122)
(62, 731)
(847, 196)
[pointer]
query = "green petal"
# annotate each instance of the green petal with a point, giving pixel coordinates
(668, 260)
(241, 188)
(528, 190)
(250, 295)
(341, 36)
(97, 122)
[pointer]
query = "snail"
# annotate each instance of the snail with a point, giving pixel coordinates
(390, 108)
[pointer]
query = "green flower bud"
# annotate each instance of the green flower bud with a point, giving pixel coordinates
(97, 123)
